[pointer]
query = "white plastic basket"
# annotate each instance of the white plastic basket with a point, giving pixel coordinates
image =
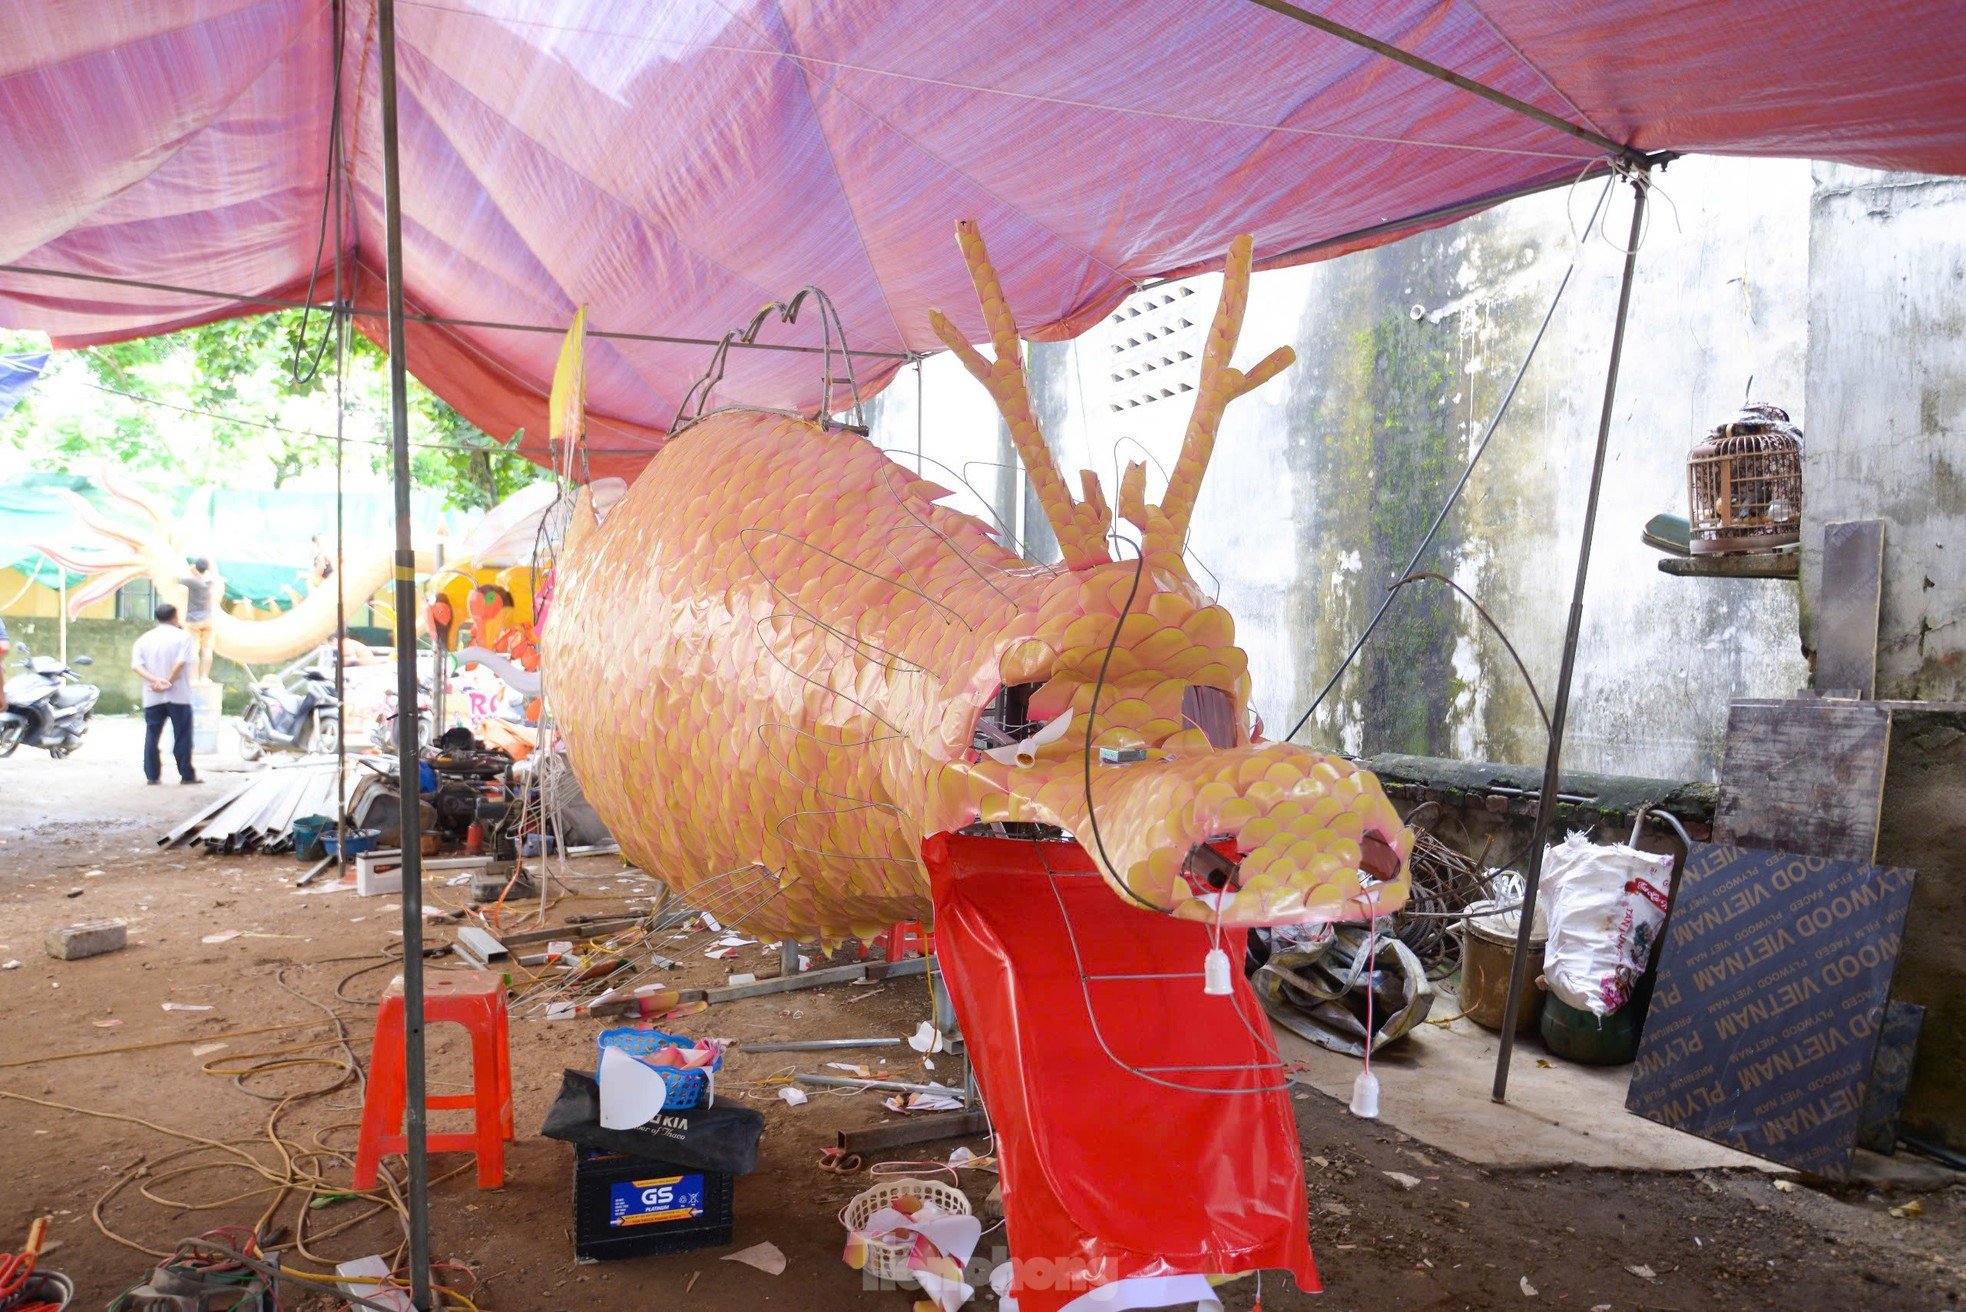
(889, 1261)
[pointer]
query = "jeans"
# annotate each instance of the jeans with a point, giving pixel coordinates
(179, 715)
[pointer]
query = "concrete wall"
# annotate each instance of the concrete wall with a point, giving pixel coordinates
(1887, 405)
(1324, 481)
(109, 642)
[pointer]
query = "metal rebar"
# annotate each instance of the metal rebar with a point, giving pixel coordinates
(817, 1045)
(437, 320)
(416, 1113)
(843, 1082)
(1386, 50)
(1553, 759)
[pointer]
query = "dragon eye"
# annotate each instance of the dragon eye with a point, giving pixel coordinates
(1212, 711)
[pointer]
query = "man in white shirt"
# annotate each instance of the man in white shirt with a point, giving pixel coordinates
(163, 659)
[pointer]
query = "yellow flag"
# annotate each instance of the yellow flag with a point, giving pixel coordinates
(568, 418)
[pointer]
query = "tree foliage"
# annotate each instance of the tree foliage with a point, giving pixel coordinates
(245, 402)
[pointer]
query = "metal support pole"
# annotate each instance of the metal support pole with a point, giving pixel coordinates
(1560, 709)
(416, 1114)
(440, 674)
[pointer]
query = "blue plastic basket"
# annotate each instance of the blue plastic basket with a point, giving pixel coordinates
(686, 1088)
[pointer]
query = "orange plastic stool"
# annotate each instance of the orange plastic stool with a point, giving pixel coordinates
(904, 934)
(475, 1000)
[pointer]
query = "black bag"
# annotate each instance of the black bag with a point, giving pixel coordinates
(723, 1139)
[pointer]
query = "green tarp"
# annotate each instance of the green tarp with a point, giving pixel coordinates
(261, 541)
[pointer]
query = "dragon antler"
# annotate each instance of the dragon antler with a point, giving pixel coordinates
(1080, 526)
(1164, 528)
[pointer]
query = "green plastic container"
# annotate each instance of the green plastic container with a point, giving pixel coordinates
(1577, 1035)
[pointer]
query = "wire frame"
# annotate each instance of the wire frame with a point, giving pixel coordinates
(736, 896)
(1744, 485)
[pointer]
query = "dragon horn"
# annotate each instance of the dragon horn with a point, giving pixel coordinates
(1220, 384)
(1080, 526)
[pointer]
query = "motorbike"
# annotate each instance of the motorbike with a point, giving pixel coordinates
(302, 719)
(48, 707)
(382, 735)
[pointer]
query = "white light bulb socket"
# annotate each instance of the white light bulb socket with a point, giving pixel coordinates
(1217, 975)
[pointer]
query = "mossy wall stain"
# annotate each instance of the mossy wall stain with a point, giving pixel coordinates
(1382, 426)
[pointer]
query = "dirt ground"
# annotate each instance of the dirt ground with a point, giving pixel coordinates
(77, 841)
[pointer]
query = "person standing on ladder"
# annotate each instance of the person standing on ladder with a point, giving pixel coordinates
(202, 592)
(163, 659)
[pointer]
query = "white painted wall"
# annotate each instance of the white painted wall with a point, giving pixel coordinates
(1292, 518)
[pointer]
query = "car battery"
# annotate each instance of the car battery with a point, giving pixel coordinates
(634, 1207)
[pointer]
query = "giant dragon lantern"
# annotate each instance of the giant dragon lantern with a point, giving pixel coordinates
(780, 665)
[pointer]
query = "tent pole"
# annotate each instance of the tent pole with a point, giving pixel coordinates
(1559, 710)
(416, 1114)
(1386, 50)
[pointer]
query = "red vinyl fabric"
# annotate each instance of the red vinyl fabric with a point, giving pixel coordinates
(1115, 1163)
(676, 166)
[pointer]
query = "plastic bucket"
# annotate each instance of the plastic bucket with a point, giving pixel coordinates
(1487, 953)
(307, 836)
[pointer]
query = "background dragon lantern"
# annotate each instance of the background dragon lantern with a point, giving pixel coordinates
(778, 662)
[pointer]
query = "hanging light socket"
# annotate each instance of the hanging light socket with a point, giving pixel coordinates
(1216, 974)
(1365, 1096)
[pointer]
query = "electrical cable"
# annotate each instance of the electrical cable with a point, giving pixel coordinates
(329, 200)
(1091, 723)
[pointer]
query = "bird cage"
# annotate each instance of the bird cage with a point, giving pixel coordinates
(1744, 484)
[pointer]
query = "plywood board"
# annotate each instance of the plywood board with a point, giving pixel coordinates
(1773, 976)
(1847, 608)
(1803, 776)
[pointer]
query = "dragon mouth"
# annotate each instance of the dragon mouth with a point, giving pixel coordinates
(1265, 834)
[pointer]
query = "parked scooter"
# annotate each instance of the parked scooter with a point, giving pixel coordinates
(280, 719)
(382, 735)
(47, 707)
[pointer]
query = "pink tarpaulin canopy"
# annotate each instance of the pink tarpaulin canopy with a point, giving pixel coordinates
(676, 166)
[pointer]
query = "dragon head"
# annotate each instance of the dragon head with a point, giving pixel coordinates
(1121, 707)
(140, 545)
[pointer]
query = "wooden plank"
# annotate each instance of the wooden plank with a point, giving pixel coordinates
(920, 1129)
(1759, 565)
(1804, 776)
(1773, 975)
(1847, 608)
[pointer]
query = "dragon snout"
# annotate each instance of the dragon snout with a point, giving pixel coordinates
(1257, 835)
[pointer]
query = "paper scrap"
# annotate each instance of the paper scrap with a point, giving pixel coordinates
(223, 936)
(562, 1010)
(793, 1097)
(187, 1006)
(377, 1269)
(1402, 1179)
(857, 1072)
(924, 1102)
(926, 1038)
(1643, 1272)
(10, 965)
(106, 1024)
(206, 1049)
(1528, 1289)
(632, 1094)
(765, 1257)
